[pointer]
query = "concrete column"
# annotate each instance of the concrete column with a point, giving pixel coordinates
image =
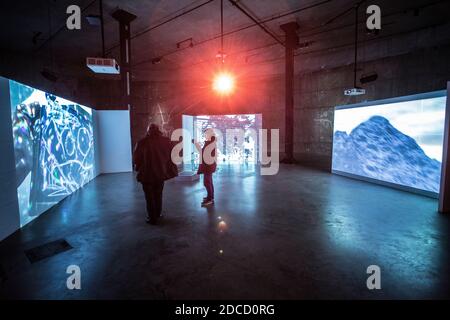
(124, 18)
(291, 43)
(444, 197)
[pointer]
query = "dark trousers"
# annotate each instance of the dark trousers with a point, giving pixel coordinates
(208, 183)
(153, 197)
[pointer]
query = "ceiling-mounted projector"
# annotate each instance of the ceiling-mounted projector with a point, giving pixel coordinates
(354, 92)
(103, 65)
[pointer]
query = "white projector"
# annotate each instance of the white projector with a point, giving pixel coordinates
(103, 65)
(354, 92)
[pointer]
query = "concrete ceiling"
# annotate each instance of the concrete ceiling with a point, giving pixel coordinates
(250, 51)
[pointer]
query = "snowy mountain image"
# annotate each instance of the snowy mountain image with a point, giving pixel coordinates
(376, 149)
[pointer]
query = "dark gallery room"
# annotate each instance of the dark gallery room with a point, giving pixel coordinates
(224, 156)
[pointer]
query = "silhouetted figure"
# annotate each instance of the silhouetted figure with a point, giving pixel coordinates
(208, 165)
(154, 165)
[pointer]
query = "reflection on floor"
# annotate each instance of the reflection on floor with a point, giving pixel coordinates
(299, 234)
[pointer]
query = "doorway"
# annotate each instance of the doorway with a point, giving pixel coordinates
(237, 138)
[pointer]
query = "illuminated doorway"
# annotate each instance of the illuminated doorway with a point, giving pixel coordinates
(237, 141)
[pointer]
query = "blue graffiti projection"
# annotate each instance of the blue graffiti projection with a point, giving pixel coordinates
(54, 148)
(399, 143)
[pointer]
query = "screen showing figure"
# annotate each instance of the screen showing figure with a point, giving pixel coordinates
(53, 145)
(399, 143)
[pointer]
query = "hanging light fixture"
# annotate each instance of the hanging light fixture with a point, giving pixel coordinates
(221, 54)
(355, 91)
(223, 82)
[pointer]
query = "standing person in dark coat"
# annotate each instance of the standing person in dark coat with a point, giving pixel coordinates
(152, 161)
(208, 164)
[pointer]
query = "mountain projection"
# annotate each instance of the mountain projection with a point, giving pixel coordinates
(377, 150)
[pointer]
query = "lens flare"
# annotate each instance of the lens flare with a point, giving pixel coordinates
(223, 83)
(222, 226)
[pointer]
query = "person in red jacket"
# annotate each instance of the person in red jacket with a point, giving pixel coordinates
(154, 165)
(208, 165)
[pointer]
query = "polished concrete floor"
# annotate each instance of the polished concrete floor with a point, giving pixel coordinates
(302, 234)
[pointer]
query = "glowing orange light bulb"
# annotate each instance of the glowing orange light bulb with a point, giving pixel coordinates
(223, 83)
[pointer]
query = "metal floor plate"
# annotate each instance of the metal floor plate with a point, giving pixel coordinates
(47, 250)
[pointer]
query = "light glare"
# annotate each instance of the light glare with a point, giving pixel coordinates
(223, 83)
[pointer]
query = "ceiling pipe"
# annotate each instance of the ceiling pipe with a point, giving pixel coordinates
(234, 3)
(102, 28)
(276, 17)
(140, 33)
(301, 33)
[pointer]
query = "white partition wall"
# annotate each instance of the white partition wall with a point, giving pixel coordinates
(113, 141)
(188, 125)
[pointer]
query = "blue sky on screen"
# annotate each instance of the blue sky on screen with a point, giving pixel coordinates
(422, 120)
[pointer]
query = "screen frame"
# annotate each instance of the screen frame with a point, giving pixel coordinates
(420, 96)
(444, 197)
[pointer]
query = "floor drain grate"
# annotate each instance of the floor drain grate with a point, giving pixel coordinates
(47, 250)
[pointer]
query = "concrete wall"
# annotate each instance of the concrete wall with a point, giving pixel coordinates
(168, 101)
(413, 63)
(74, 82)
(317, 94)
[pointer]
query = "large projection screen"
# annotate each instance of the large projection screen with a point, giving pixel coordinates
(396, 142)
(53, 147)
